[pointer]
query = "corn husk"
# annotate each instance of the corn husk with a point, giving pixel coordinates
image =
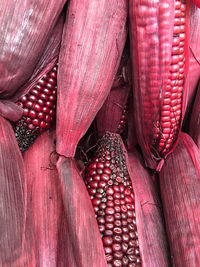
(79, 239)
(194, 60)
(93, 40)
(12, 197)
(194, 129)
(152, 237)
(180, 193)
(44, 201)
(109, 116)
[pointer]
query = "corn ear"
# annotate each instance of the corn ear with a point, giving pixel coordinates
(159, 46)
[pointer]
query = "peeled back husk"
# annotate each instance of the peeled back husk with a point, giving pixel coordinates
(92, 44)
(194, 129)
(154, 249)
(180, 193)
(12, 197)
(112, 116)
(44, 200)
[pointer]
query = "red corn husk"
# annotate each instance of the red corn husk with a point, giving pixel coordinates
(180, 193)
(12, 197)
(197, 3)
(112, 116)
(150, 224)
(79, 240)
(25, 30)
(194, 54)
(92, 44)
(194, 129)
(44, 200)
(152, 35)
(48, 59)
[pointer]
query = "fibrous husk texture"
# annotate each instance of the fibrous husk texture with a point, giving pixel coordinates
(180, 192)
(92, 44)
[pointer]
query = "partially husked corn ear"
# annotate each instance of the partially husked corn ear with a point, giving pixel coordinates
(112, 196)
(92, 44)
(38, 110)
(26, 27)
(180, 193)
(158, 34)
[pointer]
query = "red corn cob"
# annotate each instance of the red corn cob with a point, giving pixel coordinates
(38, 110)
(93, 41)
(119, 213)
(112, 196)
(159, 57)
(180, 193)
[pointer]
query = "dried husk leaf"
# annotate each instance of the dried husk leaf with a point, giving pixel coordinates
(194, 60)
(193, 77)
(44, 200)
(194, 129)
(92, 44)
(151, 36)
(180, 193)
(194, 32)
(80, 241)
(152, 238)
(12, 197)
(109, 116)
(197, 3)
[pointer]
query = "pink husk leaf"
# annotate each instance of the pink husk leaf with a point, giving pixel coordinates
(93, 40)
(180, 193)
(44, 200)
